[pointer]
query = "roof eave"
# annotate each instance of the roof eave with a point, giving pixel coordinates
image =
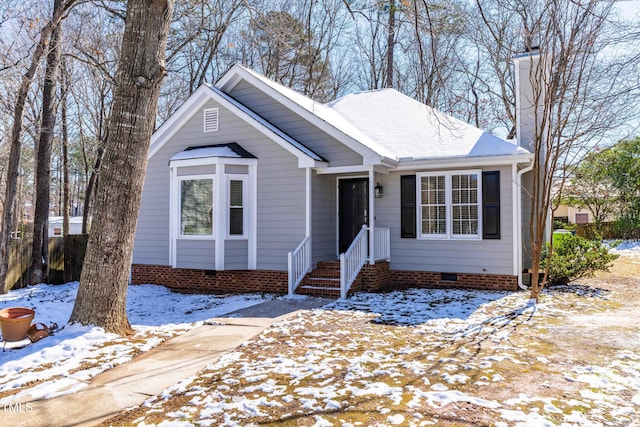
(205, 93)
(238, 73)
(457, 162)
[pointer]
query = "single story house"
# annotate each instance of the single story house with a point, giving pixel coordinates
(55, 225)
(253, 187)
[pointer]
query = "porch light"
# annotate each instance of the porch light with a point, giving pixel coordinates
(377, 190)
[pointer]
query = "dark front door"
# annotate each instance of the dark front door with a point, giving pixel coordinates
(353, 209)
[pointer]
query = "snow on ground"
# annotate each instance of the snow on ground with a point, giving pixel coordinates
(417, 357)
(62, 363)
(628, 248)
(358, 362)
(410, 357)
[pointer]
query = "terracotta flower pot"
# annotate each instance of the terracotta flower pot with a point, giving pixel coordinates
(15, 322)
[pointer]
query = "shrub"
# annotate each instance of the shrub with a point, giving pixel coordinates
(575, 257)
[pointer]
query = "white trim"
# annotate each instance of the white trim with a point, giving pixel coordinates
(448, 205)
(464, 162)
(308, 201)
(173, 216)
(206, 93)
(252, 215)
(237, 73)
(220, 216)
(371, 216)
(221, 204)
(244, 178)
(178, 119)
(207, 161)
(383, 169)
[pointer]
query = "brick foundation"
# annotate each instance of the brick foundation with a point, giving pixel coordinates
(211, 282)
(425, 279)
(372, 278)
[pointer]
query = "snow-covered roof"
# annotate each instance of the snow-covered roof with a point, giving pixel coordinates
(59, 219)
(231, 150)
(413, 131)
(389, 123)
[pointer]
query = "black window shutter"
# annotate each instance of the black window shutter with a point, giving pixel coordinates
(408, 206)
(491, 205)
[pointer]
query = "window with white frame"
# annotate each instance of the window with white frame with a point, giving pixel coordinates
(450, 205)
(237, 202)
(196, 206)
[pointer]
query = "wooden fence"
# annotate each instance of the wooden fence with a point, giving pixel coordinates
(66, 255)
(607, 231)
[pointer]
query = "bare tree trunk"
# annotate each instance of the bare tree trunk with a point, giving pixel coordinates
(39, 250)
(65, 154)
(102, 295)
(90, 190)
(391, 41)
(65, 163)
(16, 136)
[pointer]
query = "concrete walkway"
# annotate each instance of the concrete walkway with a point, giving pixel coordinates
(148, 375)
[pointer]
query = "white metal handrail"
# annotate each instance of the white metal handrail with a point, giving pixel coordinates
(352, 260)
(381, 244)
(299, 264)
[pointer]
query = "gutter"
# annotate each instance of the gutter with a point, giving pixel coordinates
(517, 232)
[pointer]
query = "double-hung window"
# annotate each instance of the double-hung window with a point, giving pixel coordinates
(196, 206)
(237, 201)
(450, 205)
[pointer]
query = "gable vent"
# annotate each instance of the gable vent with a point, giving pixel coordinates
(211, 116)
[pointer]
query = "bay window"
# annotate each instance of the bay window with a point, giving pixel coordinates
(196, 206)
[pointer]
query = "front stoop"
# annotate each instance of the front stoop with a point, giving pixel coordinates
(324, 281)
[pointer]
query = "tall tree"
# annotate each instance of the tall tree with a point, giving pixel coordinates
(591, 186)
(16, 137)
(39, 249)
(579, 90)
(102, 293)
(391, 41)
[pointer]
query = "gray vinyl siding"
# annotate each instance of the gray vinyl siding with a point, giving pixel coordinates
(281, 208)
(151, 245)
(456, 256)
(235, 255)
(527, 206)
(198, 254)
(295, 126)
(323, 207)
(280, 195)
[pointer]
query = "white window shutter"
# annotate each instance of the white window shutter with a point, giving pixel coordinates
(211, 119)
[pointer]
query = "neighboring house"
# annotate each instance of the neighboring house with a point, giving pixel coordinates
(55, 225)
(253, 187)
(572, 214)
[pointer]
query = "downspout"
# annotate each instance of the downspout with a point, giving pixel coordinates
(517, 195)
